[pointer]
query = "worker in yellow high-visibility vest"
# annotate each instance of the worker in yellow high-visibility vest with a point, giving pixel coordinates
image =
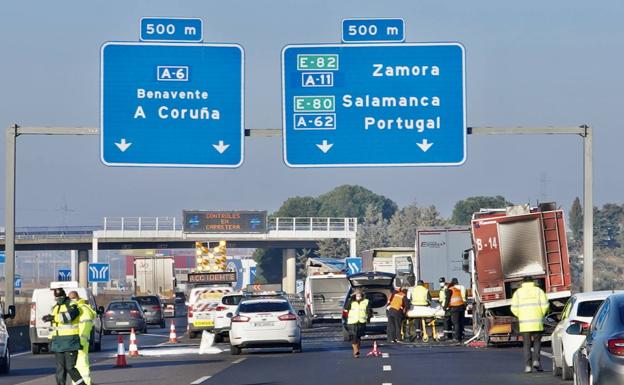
(85, 326)
(530, 304)
(359, 312)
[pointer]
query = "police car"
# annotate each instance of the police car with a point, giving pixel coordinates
(5, 353)
(264, 322)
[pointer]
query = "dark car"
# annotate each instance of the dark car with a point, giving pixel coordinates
(152, 308)
(122, 316)
(600, 359)
(377, 288)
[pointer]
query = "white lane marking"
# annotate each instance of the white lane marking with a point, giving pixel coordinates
(19, 354)
(155, 335)
(200, 380)
(239, 360)
(387, 368)
(387, 383)
(546, 354)
(385, 355)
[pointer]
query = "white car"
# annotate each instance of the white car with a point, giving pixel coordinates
(5, 353)
(263, 323)
(201, 308)
(580, 309)
(222, 322)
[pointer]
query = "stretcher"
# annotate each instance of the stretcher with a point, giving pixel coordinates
(421, 317)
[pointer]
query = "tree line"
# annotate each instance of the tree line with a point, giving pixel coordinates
(382, 223)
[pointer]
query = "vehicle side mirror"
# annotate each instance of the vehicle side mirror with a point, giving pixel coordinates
(11, 312)
(301, 313)
(100, 310)
(229, 315)
(576, 329)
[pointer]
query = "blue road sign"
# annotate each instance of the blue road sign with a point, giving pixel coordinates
(64, 275)
(234, 264)
(2, 258)
(373, 30)
(99, 272)
(354, 265)
(358, 105)
(177, 29)
(252, 275)
(17, 281)
(168, 104)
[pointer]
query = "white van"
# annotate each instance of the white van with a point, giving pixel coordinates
(42, 303)
(5, 353)
(324, 297)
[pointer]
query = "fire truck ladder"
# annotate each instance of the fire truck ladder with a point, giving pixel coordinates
(552, 247)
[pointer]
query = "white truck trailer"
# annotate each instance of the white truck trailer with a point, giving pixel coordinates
(439, 253)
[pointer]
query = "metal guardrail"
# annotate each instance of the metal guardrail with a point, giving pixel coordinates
(313, 224)
(141, 224)
(49, 232)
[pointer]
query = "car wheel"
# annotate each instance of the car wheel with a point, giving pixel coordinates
(235, 350)
(5, 364)
(218, 338)
(192, 335)
(556, 371)
(566, 371)
(163, 324)
(35, 348)
(297, 348)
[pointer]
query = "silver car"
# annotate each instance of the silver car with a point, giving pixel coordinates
(600, 359)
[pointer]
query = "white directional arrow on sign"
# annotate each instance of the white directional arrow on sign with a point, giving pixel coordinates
(325, 146)
(221, 147)
(123, 145)
(424, 145)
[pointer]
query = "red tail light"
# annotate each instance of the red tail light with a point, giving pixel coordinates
(240, 318)
(616, 346)
(287, 317)
(33, 314)
(345, 313)
(190, 312)
(156, 308)
(134, 313)
(221, 308)
(110, 313)
(584, 325)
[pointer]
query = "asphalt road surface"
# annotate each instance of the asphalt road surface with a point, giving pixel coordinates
(325, 359)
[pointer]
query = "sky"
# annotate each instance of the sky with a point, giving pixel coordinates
(528, 64)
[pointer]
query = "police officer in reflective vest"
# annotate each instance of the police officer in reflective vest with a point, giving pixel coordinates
(359, 312)
(456, 305)
(87, 316)
(65, 337)
(530, 304)
(397, 306)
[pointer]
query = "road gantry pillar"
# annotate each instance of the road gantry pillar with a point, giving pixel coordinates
(289, 270)
(83, 266)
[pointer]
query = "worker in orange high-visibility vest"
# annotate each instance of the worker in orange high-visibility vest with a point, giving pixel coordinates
(398, 305)
(456, 305)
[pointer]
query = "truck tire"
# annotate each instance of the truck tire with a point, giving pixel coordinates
(35, 348)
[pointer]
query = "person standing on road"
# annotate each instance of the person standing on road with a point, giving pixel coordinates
(65, 337)
(456, 305)
(461, 288)
(397, 306)
(359, 312)
(530, 304)
(446, 322)
(87, 316)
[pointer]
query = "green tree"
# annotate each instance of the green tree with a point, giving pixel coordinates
(404, 223)
(576, 219)
(608, 222)
(352, 201)
(298, 207)
(463, 210)
(333, 248)
(269, 268)
(373, 231)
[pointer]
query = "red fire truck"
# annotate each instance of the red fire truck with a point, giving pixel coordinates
(509, 244)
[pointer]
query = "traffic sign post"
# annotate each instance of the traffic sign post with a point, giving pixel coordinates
(172, 105)
(99, 272)
(359, 105)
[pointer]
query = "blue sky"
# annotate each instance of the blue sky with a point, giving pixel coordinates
(532, 63)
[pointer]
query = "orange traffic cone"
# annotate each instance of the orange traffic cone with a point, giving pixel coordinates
(133, 349)
(173, 338)
(375, 352)
(121, 354)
